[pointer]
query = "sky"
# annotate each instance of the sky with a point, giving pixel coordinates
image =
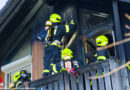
(2, 3)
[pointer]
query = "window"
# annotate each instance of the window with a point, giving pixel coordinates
(93, 24)
(24, 63)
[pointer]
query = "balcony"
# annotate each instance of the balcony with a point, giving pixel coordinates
(64, 81)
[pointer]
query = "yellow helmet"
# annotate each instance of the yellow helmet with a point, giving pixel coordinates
(55, 18)
(102, 40)
(66, 52)
(17, 75)
(48, 23)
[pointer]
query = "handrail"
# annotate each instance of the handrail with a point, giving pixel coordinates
(64, 81)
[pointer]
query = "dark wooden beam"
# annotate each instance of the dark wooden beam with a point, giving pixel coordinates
(97, 5)
(120, 48)
(100, 29)
(37, 60)
(126, 1)
(118, 32)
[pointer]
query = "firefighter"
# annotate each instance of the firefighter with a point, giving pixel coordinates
(19, 78)
(53, 44)
(67, 63)
(102, 41)
(101, 55)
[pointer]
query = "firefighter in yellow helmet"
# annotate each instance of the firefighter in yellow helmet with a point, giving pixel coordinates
(102, 41)
(67, 63)
(53, 37)
(19, 78)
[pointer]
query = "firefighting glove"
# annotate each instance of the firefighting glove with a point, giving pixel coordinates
(74, 72)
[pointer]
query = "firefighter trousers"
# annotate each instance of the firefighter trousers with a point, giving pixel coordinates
(51, 54)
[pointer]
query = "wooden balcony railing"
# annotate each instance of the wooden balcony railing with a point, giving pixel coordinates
(64, 81)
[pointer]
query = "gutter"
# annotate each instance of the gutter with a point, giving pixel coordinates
(10, 13)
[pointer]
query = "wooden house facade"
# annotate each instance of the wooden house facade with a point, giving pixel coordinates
(22, 20)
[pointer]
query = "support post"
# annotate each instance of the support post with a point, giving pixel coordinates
(120, 48)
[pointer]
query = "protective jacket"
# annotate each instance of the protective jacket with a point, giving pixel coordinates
(57, 32)
(102, 55)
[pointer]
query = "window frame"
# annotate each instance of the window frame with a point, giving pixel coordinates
(15, 66)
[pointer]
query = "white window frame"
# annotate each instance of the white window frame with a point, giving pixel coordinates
(17, 65)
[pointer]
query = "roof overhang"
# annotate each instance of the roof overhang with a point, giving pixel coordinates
(15, 24)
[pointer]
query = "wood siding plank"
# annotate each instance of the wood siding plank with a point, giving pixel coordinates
(61, 83)
(80, 82)
(116, 77)
(37, 60)
(38, 88)
(87, 81)
(44, 88)
(100, 81)
(67, 81)
(56, 86)
(73, 83)
(50, 86)
(94, 81)
(107, 78)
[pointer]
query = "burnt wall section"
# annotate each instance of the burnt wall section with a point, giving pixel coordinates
(70, 11)
(97, 5)
(67, 12)
(124, 13)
